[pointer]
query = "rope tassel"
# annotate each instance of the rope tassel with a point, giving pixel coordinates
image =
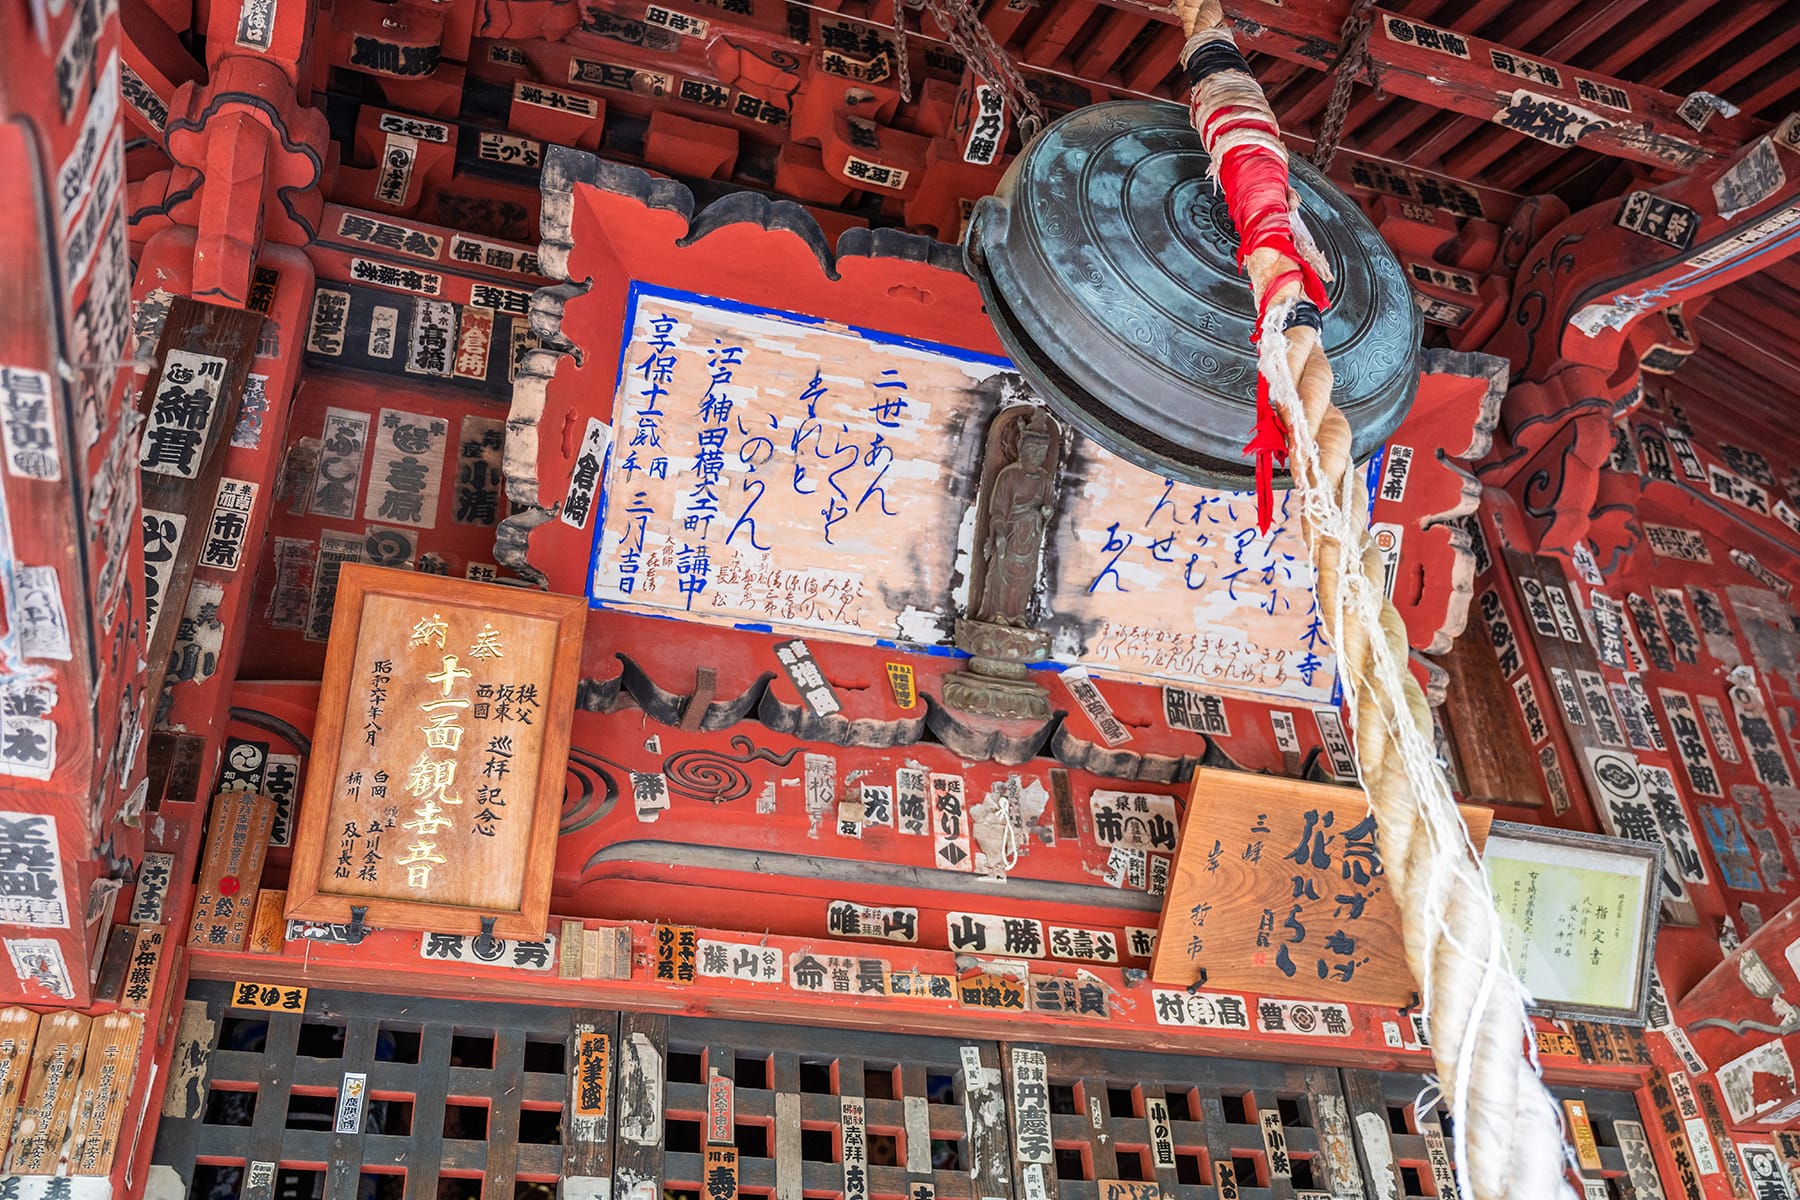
(1267, 445)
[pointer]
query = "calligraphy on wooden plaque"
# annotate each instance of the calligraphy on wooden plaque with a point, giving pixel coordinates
(230, 866)
(1279, 889)
(438, 757)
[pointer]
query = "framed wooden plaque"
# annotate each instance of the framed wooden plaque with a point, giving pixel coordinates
(438, 755)
(1580, 915)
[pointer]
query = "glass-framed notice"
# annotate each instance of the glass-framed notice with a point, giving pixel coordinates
(1579, 911)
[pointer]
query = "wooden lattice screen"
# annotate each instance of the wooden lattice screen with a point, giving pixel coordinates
(474, 1101)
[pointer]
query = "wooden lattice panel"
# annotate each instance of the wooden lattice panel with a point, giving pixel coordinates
(471, 1101)
(1389, 1098)
(463, 1100)
(790, 1089)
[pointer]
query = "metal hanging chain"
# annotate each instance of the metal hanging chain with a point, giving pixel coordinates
(973, 40)
(902, 60)
(1352, 60)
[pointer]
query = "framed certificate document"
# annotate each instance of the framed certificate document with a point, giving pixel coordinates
(1579, 912)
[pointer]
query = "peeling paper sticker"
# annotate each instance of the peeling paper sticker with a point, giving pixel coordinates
(640, 1092)
(1378, 1152)
(1087, 694)
(1754, 178)
(39, 962)
(650, 793)
(1332, 1119)
(584, 479)
(1640, 1161)
(1548, 119)
(1700, 108)
(31, 874)
(1738, 1081)
(350, 1103)
(854, 1142)
(846, 918)
(28, 425)
(985, 1117)
(1031, 1106)
(1764, 1168)
(37, 608)
(1287, 737)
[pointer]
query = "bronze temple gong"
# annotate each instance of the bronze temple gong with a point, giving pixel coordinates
(1108, 262)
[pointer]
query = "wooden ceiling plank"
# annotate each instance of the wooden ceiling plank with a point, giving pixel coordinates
(1387, 131)
(1780, 83)
(1767, 289)
(1519, 25)
(1523, 164)
(1680, 59)
(1478, 154)
(1156, 61)
(1767, 46)
(1699, 387)
(1100, 56)
(1736, 318)
(1729, 359)
(1306, 103)
(1276, 73)
(1553, 175)
(1002, 20)
(1050, 40)
(1597, 22)
(1786, 272)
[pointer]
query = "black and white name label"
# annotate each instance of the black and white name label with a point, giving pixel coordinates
(183, 411)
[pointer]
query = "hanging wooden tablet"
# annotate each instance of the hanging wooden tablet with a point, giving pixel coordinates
(438, 756)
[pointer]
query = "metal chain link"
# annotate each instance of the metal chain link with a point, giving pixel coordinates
(1352, 59)
(973, 40)
(902, 60)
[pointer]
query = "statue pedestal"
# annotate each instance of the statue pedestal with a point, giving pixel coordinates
(996, 682)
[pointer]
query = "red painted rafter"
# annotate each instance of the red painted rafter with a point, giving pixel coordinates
(1729, 381)
(1518, 24)
(1374, 121)
(1757, 46)
(1627, 44)
(1590, 23)
(1056, 31)
(1099, 57)
(1156, 60)
(1695, 46)
(1772, 82)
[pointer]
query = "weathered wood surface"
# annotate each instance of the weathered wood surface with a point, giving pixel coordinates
(1278, 889)
(447, 704)
(47, 1109)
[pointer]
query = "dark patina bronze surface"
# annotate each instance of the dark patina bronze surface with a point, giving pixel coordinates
(1108, 262)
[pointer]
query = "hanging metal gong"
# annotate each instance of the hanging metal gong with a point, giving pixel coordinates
(1108, 262)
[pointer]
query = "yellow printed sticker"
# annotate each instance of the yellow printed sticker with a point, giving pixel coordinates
(268, 997)
(900, 678)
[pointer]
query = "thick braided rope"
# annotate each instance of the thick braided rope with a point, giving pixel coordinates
(1508, 1134)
